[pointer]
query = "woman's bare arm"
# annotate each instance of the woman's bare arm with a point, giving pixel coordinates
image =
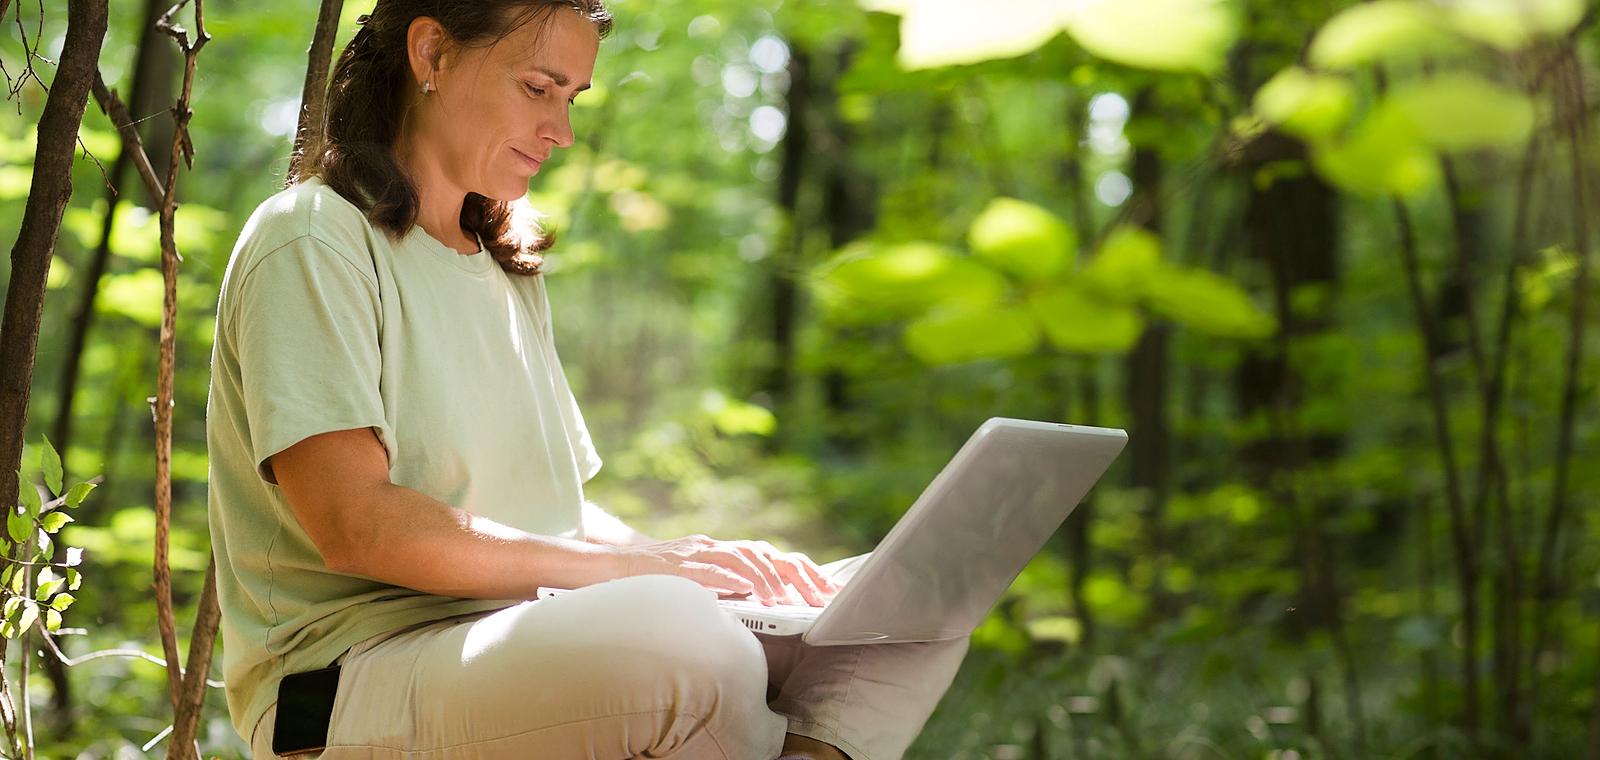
(602, 527)
(337, 485)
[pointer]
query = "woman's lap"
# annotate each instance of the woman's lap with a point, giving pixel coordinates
(638, 667)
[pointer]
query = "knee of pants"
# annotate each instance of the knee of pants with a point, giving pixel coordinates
(666, 630)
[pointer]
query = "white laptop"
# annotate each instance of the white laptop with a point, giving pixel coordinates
(947, 561)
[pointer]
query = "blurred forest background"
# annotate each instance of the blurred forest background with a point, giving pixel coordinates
(1329, 263)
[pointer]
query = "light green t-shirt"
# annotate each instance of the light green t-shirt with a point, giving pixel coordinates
(325, 324)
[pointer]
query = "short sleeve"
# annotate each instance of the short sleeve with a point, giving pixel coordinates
(306, 328)
(577, 431)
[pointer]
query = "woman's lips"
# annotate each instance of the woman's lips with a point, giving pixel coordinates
(528, 161)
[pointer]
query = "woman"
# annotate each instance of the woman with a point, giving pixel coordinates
(398, 462)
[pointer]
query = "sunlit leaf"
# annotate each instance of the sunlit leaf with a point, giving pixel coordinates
(52, 619)
(74, 579)
(136, 295)
(1207, 302)
(948, 32)
(1383, 155)
(735, 417)
(1458, 111)
(1022, 238)
(74, 556)
(867, 283)
(1512, 24)
(1385, 30)
(961, 335)
(55, 521)
(1168, 35)
(1304, 103)
(29, 614)
(1127, 259)
(1077, 321)
(62, 602)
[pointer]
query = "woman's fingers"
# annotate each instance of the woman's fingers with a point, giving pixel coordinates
(716, 578)
(769, 571)
(735, 561)
(796, 577)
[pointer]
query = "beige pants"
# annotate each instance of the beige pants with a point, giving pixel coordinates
(646, 666)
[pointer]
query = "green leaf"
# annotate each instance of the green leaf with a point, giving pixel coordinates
(20, 527)
(52, 620)
(1022, 238)
(54, 521)
(1077, 321)
(1383, 155)
(28, 496)
(952, 336)
(940, 33)
(1304, 103)
(74, 579)
(51, 465)
(1127, 259)
(867, 283)
(1385, 30)
(30, 613)
(5, 575)
(78, 493)
(1209, 303)
(62, 601)
(44, 590)
(1512, 24)
(18, 581)
(1458, 111)
(1167, 35)
(13, 606)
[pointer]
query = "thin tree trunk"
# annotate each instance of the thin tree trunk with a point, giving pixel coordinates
(82, 322)
(50, 189)
(1460, 531)
(314, 94)
(1552, 548)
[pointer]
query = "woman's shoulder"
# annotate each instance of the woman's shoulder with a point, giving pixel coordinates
(306, 215)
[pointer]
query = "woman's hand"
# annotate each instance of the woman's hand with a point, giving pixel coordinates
(734, 567)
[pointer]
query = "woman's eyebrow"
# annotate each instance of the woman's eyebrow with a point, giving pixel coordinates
(561, 79)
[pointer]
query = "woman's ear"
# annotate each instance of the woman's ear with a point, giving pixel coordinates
(425, 46)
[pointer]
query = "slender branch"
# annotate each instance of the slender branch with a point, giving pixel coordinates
(201, 640)
(314, 94)
(132, 144)
(182, 149)
(101, 654)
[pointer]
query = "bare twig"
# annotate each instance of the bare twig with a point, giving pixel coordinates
(314, 93)
(132, 144)
(102, 654)
(185, 714)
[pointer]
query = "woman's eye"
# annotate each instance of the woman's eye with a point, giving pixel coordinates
(537, 92)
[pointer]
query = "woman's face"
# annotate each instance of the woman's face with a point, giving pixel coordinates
(495, 113)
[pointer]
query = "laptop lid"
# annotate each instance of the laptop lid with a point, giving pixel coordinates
(947, 561)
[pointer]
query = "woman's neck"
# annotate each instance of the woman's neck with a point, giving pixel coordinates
(438, 203)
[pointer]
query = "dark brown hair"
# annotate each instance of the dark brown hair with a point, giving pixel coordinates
(367, 101)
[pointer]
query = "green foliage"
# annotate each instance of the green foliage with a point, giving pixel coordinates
(1164, 35)
(1392, 31)
(1025, 240)
(30, 580)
